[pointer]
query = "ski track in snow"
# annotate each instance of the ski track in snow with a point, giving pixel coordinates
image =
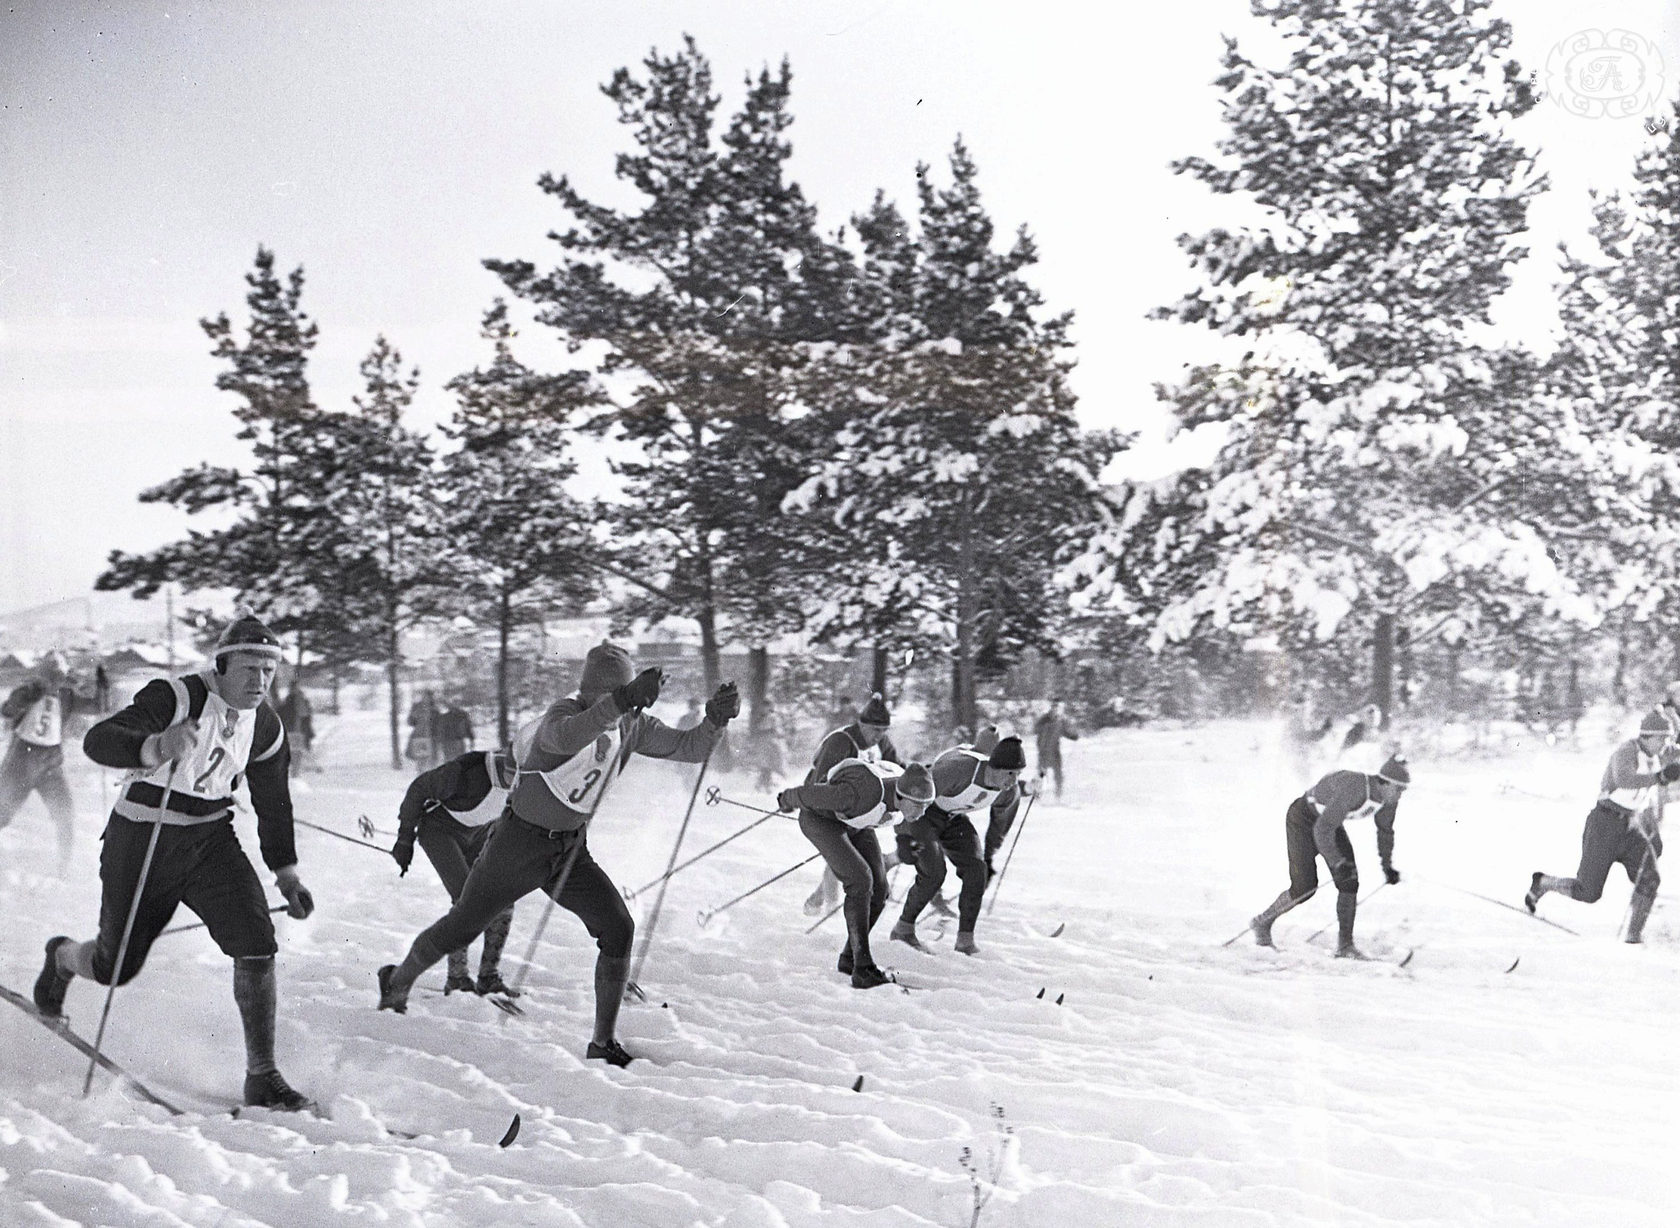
(1179, 1083)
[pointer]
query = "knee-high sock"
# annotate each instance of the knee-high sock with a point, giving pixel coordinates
(422, 955)
(1346, 903)
(76, 958)
(859, 914)
(612, 972)
(495, 938)
(253, 990)
(1639, 908)
(1558, 883)
(458, 964)
(1278, 907)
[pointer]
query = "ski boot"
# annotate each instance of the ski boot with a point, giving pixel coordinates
(270, 1090)
(905, 932)
(458, 984)
(965, 943)
(491, 983)
(1536, 889)
(391, 999)
(612, 1053)
(868, 976)
(52, 984)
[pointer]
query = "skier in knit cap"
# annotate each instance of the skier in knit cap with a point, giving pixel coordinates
(964, 780)
(34, 761)
(839, 816)
(449, 810)
(1626, 824)
(187, 743)
(1313, 828)
(565, 761)
(864, 738)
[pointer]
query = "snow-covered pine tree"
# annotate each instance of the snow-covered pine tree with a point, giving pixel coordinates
(519, 544)
(954, 465)
(1380, 449)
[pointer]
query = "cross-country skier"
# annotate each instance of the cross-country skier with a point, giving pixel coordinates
(565, 761)
(188, 742)
(1048, 733)
(1313, 828)
(34, 761)
(964, 780)
(1625, 826)
(839, 815)
(450, 810)
(864, 737)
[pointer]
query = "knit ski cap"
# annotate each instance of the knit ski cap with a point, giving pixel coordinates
(1008, 756)
(987, 739)
(605, 667)
(1671, 697)
(875, 712)
(1656, 721)
(1395, 771)
(916, 784)
(247, 634)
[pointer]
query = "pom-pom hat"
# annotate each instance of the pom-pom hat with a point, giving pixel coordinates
(916, 785)
(875, 712)
(1395, 771)
(605, 667)
(1007, 755)
(247, 634)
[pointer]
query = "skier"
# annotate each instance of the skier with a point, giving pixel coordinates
(565, 761)
(188, 742)
(450, 810)
(1048, 733)
(34, 761)
(839, 815)
(1314, 828)
(1625, 825)
(864, 737)
(964, 779)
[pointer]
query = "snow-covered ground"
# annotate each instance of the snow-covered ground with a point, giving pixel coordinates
(1179, 1082)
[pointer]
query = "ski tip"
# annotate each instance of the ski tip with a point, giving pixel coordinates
(858, 1086)
(633, 992)
(1059, 998)
(1407, 959)
(1040, 993)
(512, 1132)
(1057, 932)
(507, 1006)
(1514, 964)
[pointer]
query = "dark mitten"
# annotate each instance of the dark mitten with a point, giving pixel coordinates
(403, 852)
(787, 800)
(724, 704)
(1391, 874)
(640, 691)
(1670, 773)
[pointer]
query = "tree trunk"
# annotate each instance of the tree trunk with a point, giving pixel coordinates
(878, 670)
(758, 687)
(963, 706)
(504, 620)
(337, 679)
(1382, 666)
(391, 664)
(1618, 681)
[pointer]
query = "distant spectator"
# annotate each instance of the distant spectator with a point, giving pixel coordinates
(693, 716)
(422, 735)
(298, 716)
(454, 732)
(1048, 732)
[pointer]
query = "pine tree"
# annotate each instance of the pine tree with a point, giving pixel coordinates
(1381, 465)
(275, 503)
(379, 567)
(704, 300)
(956, 473)
(520, 544)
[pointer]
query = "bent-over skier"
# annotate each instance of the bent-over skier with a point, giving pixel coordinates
(1314, 827)
(864, 737)
(1624, 826)
(565, 761)
(188, 742)
(839, 816)
(964, 779)
(449, 810)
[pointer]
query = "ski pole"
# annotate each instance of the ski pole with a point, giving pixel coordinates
(378, 848)
(665, 879)
(706, 914)
(1412, 876)
(632, 894)
(198, 925)
(128, 929)
(1019, 828)
(1245, 929)
(713, 798)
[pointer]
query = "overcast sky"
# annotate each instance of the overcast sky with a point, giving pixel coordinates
(147, 149)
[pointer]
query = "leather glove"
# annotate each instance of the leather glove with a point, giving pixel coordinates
(991, 871)
(724, 704)
(403, 852)
(1670, 773)
(299, 903)
(176, 742)
(786, 801)
(640, 691)
(1391, 874)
